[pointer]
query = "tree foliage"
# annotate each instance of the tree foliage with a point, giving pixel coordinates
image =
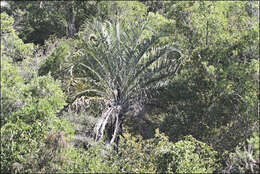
(28, 110)
(85, 86)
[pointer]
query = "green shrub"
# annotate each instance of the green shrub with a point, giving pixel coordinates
(245, 159)
(186, 156)
(136, 154)
(25, 129)
(29, 114)
(160, 155)
(101, 159)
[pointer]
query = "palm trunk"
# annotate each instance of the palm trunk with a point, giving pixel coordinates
(110, 122)
(71, 22)
(207, 33)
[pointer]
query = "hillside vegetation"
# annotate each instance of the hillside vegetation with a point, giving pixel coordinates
(130, 87)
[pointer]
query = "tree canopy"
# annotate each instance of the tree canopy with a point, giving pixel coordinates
(130, 86)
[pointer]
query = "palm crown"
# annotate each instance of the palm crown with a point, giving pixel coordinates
(125, 63)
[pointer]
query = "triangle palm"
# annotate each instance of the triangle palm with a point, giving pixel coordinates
(124, 68)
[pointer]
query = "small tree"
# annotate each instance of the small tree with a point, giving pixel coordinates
(124, 64)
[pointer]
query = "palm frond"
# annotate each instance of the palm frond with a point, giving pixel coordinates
(125, 67)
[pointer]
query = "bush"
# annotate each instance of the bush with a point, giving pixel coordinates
(246, 157)
(159, 155)
(29, 114)
(25, 128)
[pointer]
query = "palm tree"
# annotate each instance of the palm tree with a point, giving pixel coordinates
(124, 67)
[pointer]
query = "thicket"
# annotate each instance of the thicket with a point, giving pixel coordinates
(135, 86)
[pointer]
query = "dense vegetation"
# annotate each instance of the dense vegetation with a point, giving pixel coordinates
(129, 86)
